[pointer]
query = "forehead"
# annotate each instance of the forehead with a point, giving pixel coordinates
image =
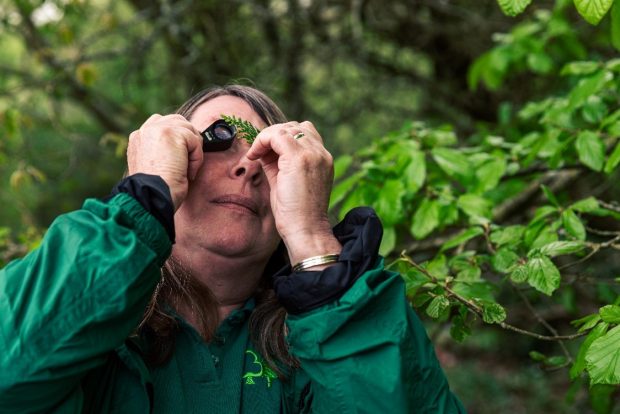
(213, 110)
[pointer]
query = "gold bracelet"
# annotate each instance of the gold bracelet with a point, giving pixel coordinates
(315, 261)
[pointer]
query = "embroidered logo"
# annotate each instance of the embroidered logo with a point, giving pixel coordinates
(263, 370)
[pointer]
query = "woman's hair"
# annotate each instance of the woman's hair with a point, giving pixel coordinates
(177, 288)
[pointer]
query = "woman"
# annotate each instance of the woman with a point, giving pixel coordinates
(218, 287)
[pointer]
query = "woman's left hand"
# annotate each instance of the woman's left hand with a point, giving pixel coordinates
(300, 173)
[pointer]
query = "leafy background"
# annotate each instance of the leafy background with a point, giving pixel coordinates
(485, 133)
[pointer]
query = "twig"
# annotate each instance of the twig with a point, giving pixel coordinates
(487, 230)
(602, 232)
(544, 323)
(610, 206)
(472, 306)
(595, 248)
(554, 179)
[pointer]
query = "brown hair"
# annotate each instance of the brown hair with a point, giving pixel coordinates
(178, 288)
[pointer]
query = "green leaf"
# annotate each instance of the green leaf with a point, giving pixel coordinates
(546, 235)
(504, 260)
(537, 356)
(601, 397)
(459, 330)
(587, 87)
(489, 173)
(555, 361)
(437, 306)
(613, 129)
(469, 274)
(543, 212)
(613, 160)
(603, 358)
(542, 274)
(580, 68)
(493, 312)
(451, 161)
(462, 237)
(573, 225)
(593, 10)
(414, 280)
(425, 219)
(507, 235)
(610, 314)
(550, 196)
(585, 205)
(419, 300)
(519, 274)
(590, 149)
(388, 242)
(441, 137)
(513, 7)
(562, 247)
(539, 62)
(594, 110)
(476, 207)
(615, 25)
(580, 362)
(389, 201)
(341, 165)
(613, 65)
(480, 290)
(438, 267)
(415, 174)
(587, 322)
(343, 188)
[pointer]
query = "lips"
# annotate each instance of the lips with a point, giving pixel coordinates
(238, 200)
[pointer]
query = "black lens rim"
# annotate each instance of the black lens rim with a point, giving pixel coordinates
(211, 142)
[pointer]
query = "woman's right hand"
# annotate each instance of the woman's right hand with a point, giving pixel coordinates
(168, 146)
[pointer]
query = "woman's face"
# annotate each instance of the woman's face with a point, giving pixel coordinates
(227, 209)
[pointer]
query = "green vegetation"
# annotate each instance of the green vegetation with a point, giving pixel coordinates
(245, 129)
(489, 145)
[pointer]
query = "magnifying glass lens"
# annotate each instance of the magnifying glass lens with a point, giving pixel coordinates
(223, 132)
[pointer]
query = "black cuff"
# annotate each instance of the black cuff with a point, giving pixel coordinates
(360, 235)
(152, 192)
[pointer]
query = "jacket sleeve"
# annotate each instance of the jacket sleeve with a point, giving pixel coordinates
(369, 353)
(78, 296)
(361, 347)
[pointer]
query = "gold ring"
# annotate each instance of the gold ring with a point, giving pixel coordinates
(298, 135)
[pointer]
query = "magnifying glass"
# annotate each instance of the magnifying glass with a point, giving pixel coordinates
(219, 136)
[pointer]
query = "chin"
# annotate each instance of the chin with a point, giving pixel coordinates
(232, 244)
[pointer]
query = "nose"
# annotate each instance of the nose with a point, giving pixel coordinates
(252, 171)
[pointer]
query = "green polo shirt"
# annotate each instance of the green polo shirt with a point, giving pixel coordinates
(225, 376)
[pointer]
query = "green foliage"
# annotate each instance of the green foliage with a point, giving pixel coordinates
(513, 7)
(245, 129)
(603, 358)
(433, 191)
(591, 10)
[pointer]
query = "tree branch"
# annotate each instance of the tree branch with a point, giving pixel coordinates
(84, 96)
(474, 308)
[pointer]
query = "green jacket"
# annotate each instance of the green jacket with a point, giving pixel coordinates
(68, 308)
